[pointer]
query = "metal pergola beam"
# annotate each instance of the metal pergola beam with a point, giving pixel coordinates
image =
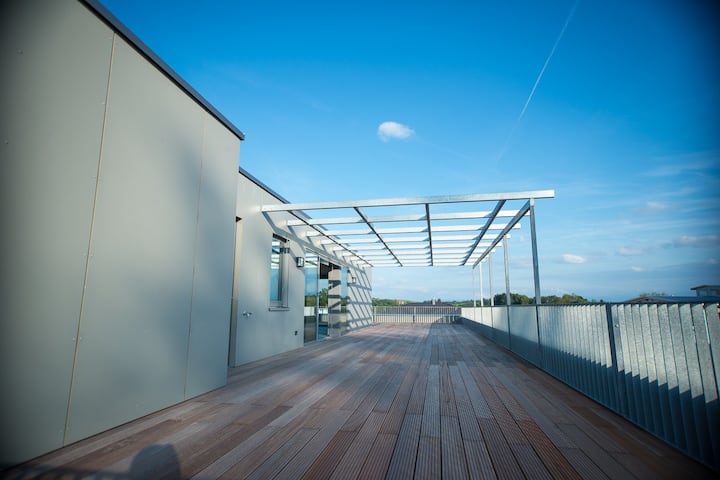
(396, 202)
(521, 213)
(429, 231)
(411, 237)
(362, 215)
(402, 218)
(485, 228)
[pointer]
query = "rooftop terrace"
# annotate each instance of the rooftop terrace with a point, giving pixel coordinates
(388, 401)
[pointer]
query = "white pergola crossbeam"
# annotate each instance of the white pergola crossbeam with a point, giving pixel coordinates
(394, 232)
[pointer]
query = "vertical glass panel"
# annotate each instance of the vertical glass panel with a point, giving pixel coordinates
(344, 290)
(275, 276)
(323, 284)
(312, 272)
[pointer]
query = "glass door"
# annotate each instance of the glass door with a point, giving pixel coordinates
(312, 274)
(323, 313)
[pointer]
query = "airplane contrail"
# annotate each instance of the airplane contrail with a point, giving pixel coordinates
(537, 80)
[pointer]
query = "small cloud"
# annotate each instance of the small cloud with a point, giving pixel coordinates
(652, 207)
(637, 269)
(685, 164)
(629, 251)
(389, 130)
(701, 241)
(656, 206)
(570, 258)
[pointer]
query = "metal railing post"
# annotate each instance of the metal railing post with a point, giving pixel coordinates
(615, 372)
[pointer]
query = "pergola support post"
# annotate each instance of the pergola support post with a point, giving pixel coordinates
(536, 271)
(508, 298)
(490, 278)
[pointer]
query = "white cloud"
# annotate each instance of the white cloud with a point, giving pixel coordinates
(389, 130)
(685, 164)
(570, 258)
(697, 242)
(637, 269)
(656, 206)
(629, 251)
(652, 207)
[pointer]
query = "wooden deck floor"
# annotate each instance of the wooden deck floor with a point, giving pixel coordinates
(387, 401)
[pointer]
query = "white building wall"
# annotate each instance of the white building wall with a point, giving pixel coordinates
(360, 299)
(258, 330)
(119, 191)
(118, 199)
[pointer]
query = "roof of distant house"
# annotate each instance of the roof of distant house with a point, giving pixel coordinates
(675, 299)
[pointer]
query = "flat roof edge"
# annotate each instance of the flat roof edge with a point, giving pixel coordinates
(260, 184)
(112, 21)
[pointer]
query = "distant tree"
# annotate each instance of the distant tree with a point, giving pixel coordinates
(568, 298)
(515, 299)
(323, 297)
(463, 303)
(653, 294)
(387, 302)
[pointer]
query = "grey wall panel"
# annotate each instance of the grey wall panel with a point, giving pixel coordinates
(212, 284)
(360, 311)
(54, 59)
(500, 326)
(264, 332)
(524, 333)
(136, 315)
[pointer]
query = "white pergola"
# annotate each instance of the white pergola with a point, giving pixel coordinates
(447, 230)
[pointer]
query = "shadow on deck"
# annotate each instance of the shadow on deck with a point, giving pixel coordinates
(389, 401)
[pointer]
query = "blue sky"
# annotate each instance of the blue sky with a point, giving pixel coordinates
(615, 105)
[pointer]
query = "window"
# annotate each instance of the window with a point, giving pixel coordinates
(278, 273)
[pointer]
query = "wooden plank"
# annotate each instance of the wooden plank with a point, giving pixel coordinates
(312, 450)
(453, 462)
(431, 408)
(530, 463)
(416, 404)
(324, 465)
(280, 457)
(402, 464)
(595, 452)
(501, 415)
(427, 465)
(506, 466)
(356, 454)
(447, 396)
(469, 427)
(378, 460)
(425, 401)
(347, 390)
(363, 410)
(250, 454)
(540, 410)
(478, 460)
(396, 413)
(479, 404)
(587, 469)
(551, 456)
(215, 447)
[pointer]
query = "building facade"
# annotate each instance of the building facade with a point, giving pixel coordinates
(136, 262)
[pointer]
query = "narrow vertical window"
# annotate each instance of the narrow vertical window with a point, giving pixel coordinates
(278, 280)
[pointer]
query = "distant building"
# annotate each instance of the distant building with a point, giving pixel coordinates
(707, 290)
(704, 294)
